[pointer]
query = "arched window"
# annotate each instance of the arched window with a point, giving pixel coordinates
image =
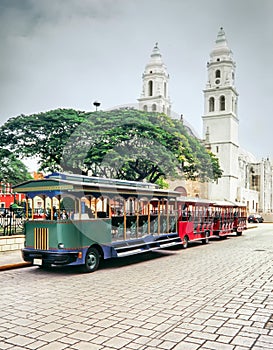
(165, 90)
(218, 74)
(182, 190)
(211, 104)
(222, 103)
(150, 87)
(145, 108)
(154, 107)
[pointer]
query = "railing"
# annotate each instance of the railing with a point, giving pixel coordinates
(11, 224)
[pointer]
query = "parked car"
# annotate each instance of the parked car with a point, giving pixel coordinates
(255, 218)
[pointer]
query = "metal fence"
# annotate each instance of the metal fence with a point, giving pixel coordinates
(11, 222)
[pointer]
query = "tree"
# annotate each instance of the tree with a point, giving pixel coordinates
(123, 143)
(41, 135)
(135, 145)
(12, 170)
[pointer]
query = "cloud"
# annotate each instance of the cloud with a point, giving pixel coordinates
(68, 53)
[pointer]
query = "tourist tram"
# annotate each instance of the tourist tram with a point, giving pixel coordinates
(87, 219)
(228, 218)
(240, 219)
(201, 219)
(195, 220)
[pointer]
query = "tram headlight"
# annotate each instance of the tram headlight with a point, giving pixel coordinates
(61, 246)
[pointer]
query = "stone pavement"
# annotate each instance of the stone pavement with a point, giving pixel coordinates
(212, 297)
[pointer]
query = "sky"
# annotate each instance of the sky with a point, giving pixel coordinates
(70, 53)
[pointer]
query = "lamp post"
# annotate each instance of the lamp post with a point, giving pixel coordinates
(96, 104)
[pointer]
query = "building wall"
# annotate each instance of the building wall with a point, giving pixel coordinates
(7, 197)
(192, 188)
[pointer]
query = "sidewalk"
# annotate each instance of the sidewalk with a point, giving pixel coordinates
(12, 259)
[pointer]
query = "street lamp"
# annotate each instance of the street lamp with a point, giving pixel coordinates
(96, 104)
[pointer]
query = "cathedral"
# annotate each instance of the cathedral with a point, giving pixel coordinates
(245, 179)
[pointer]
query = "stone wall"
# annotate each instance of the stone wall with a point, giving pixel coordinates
(193, 188)
(11, 242)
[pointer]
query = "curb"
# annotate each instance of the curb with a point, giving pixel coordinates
(14, 266)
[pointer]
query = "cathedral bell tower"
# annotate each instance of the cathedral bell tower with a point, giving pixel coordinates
(220, 117)
(154, 97)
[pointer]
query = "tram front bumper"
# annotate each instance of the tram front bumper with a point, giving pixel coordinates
(39, 257)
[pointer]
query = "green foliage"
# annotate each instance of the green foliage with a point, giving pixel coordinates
(123, 143)
(43, 135)
(162, 183)
(12, 170)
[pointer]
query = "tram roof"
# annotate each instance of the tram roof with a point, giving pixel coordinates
(195, 200)
(56, 186)
(100, 180)
(227, 203)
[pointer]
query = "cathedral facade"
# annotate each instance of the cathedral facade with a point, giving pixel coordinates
(245, 179)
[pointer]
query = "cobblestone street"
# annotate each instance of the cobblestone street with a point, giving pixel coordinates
(215, 296)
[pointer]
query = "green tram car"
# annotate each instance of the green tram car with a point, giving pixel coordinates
(86, 219)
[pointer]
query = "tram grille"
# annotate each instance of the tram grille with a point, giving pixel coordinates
(41, 238)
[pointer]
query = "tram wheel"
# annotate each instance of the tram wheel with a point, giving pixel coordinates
(92, 260)
(206, 239)
(185, 242)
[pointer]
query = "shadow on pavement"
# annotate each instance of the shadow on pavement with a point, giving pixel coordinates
(114, 263)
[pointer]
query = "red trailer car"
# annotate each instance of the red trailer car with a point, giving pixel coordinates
(223, 220)
(240, 219)
(195, 221)
(228, 218)
(201, 219)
